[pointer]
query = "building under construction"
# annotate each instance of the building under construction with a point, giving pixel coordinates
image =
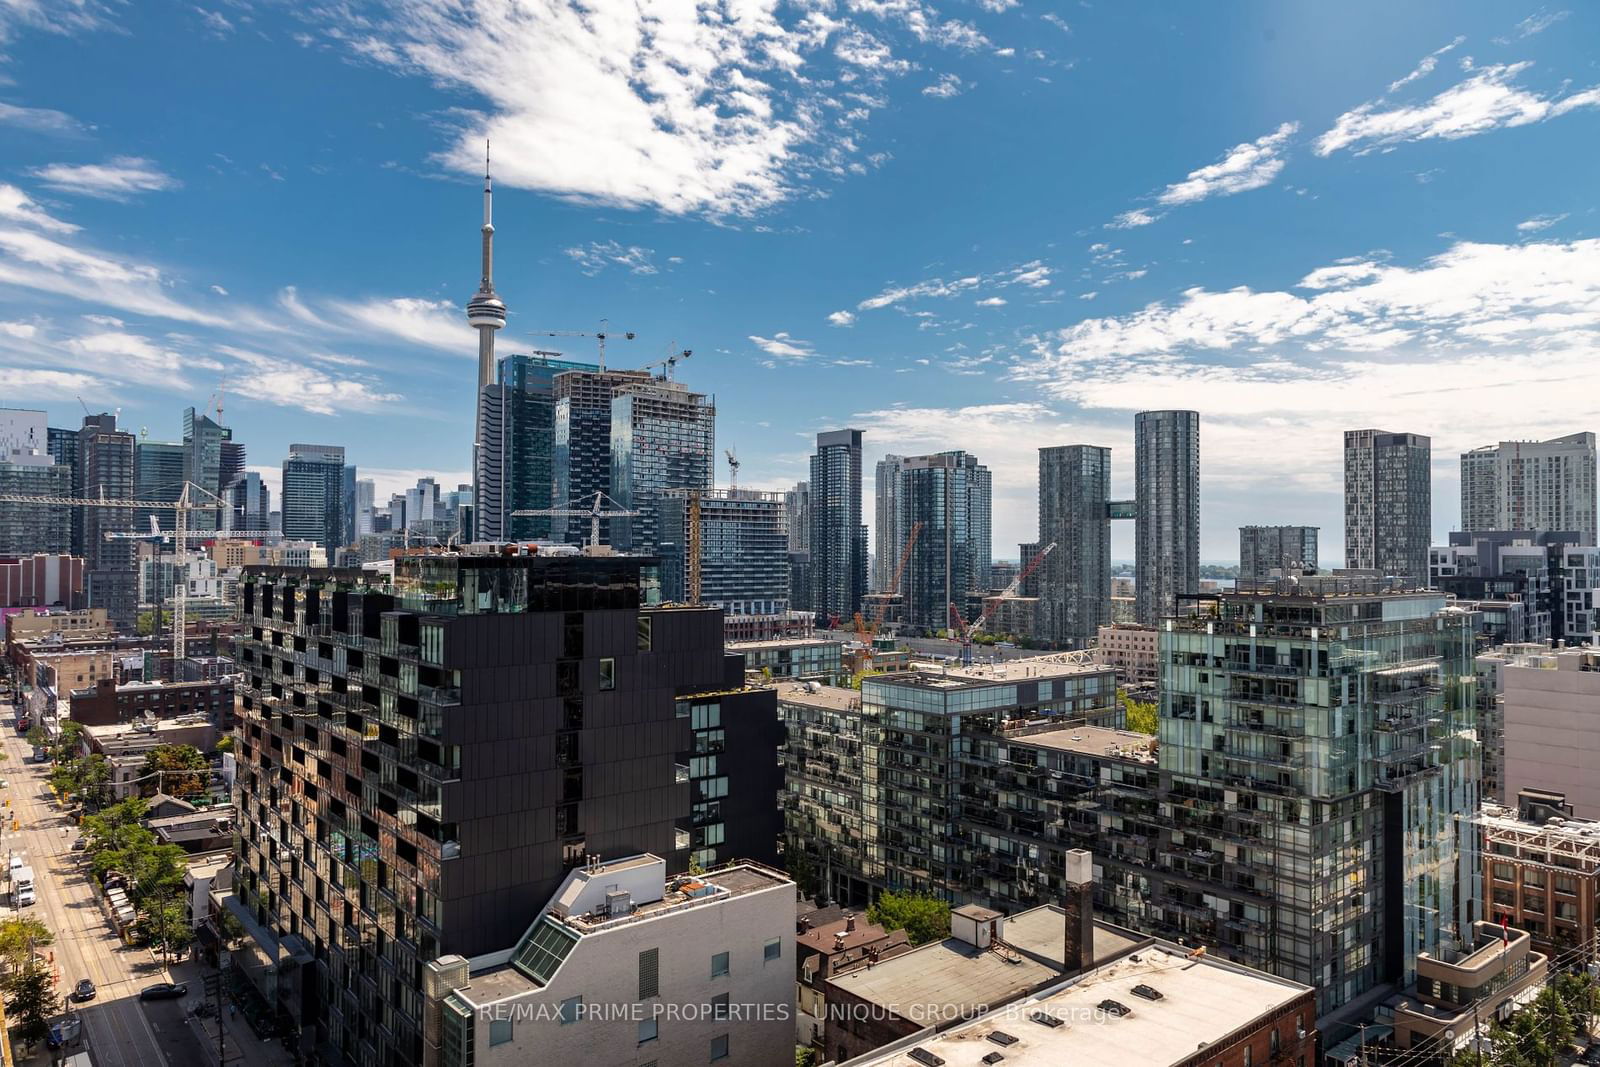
(728, 548)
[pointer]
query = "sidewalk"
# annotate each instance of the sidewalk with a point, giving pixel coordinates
(244, 1047)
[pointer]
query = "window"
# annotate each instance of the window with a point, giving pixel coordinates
(772, 950)
(499, 1031)
(719, 1006)
(719, 965)
(572, 1008)
(1248, 1059)
(644, 626)
(649, 973)
(719, 1048)
(1503, 872)
(608, 674)
(648, 1031)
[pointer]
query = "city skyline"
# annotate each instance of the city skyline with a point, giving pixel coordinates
(1305, 260)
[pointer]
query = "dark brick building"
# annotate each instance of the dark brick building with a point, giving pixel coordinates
(106, 703)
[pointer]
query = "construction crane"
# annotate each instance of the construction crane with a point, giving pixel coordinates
(180, 507)
(733, 468)
(968, 632)
(863, 630)
(594, 513)
(599, 335)
(669, 362)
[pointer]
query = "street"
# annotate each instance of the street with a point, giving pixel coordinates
(119, 1029)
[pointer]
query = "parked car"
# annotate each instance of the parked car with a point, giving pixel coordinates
(163, 991)
(84, 990)
(79, 845)
(1591, 1055)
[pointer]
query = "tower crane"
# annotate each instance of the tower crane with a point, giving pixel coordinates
(599, 335)
(180, 507)
(669, 362)
(1010, 591)
(733, 468)
(863, 630)
(594, 513)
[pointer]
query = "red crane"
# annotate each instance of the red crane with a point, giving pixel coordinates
(967, 632)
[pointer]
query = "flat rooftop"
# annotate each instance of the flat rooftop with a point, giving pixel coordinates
(1202, 1002)
(783, 642)
(1006, 672)
(1088, 740)
(832, 697)
(947, 978)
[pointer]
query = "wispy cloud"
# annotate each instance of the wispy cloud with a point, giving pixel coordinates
(71, 17)
(782, 346)
(1538, 223)
(16, 206)
(992, 302)
(431, 323)
(597, 255)
(1425, 67)
(842, 318)
(1539, 21)
(288, 383)
(948, 85)
(1244, 167)
(215, 22)
(934, 287)
(119, 179)
(1486, 100)
(1130, 219)
(38, 119)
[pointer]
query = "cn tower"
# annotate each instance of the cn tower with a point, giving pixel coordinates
(486, 313)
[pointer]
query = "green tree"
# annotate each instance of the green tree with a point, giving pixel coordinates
(230, 929)
(146, 623)
(225, 743)
(165, 922)
(37, 736)
(805, 1056)
(20, 938)
(181, 770)
(94, 780)
(113, 827)
(1142, 717)
(924, 918)
(32, 1000)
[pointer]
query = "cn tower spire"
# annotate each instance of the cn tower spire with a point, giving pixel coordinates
(486, 312)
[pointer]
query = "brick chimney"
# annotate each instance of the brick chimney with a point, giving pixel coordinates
(1078, 903)
(849, 922)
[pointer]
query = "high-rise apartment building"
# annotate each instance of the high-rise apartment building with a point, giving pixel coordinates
(312, 494)
(424, 759)
(1264, 549)
(744, 549)
(949, 493)
(347, 505)
(663, 436)
(838, 538)
(1320, 764)
(249, 503)
(206, 465)
(797, 508)
(366, 501)
(1074, 581)
(28, 468)
(159, 472)
(517, 446)
(887, 540)
(1531, 485)
(105, 467)
(583, 445)
(1388, 502)
(1166, 460)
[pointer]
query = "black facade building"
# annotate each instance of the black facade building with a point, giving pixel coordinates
(422, 759)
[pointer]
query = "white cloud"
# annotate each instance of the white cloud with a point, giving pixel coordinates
(15, 205)
(597, 255)
(1539, 21)
(1034, 275)
(998, 6)
(683, 108)
(1057, 21)
(1090, 295)
(1425, 67)
(1539, 222)
(1244, 167)
(35, 261)
(219, 290)
(214, 21)
(432, 323)
(38, 119)
(287, 383)
(21, 330)
(948, 85)
(842, 318)
(66, 18)
(32, 381)
(1131, 219)
(119, 179)
(850, 363)
(783, 346)
(933, 287)
(1487, 100)
(992, 302)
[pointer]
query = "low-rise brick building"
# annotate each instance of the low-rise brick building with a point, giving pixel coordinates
(106, 702)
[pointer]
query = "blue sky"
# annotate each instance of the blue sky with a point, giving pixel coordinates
(993, 225)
